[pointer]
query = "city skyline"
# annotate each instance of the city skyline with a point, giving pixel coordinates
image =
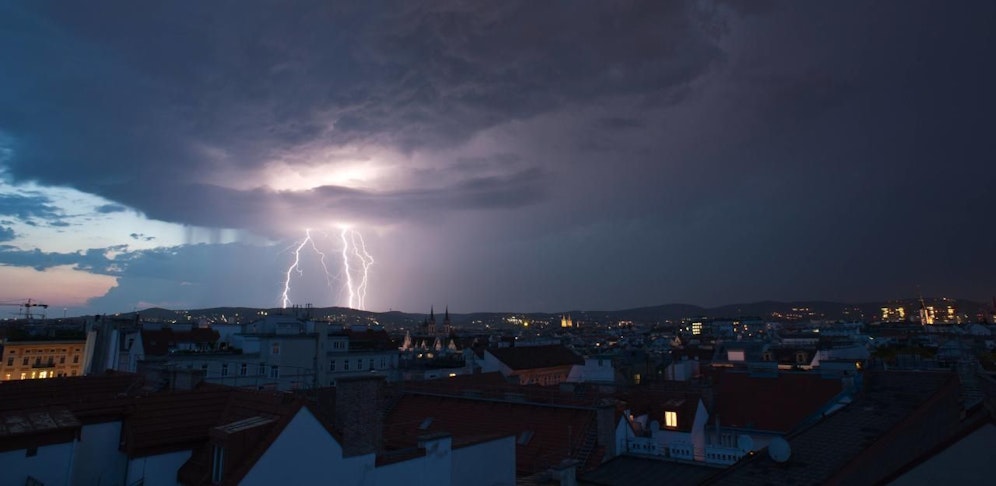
(513, 156)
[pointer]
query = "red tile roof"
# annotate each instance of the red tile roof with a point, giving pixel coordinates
(545, 435)
(776, 404)
(172, 421)
(532, 357)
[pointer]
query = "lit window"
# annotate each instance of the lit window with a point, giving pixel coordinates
(670, 419)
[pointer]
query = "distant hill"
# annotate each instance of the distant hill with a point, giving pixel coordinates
(766, 310)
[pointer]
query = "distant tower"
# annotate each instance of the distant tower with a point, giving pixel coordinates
(447, 325)
(566, 321)
(431, 328)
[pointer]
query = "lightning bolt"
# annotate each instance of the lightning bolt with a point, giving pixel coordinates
(356, 262)
(360, 251)
(285, 297)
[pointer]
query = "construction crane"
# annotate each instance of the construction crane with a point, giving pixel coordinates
(27, 306)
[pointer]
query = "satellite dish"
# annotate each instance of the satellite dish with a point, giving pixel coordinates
(779, 450)
(745, 443)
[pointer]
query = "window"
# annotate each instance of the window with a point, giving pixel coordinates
(262, 369)
(274, 371)
(371, 363)
(224, 369)
(275, 349)
(62, 360)
(218, 465)
(670, 419)
(383, 363)
(24, 376)
(76, 359)
(359, 364)
(345, 365)
(332, 365)
(10, 361)
(24, 362)
(243, 369)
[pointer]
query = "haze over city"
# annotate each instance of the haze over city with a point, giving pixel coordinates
(494, 156)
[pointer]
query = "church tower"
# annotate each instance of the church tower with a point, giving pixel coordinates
(431, 330)
(447, 325)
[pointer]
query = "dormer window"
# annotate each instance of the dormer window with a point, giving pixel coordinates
(671, 419)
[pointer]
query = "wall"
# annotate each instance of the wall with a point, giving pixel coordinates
(964, 462)
(305, 451)
(98, 460)
(158, 470)
(489, 463)
(593, 370)
(51, 465)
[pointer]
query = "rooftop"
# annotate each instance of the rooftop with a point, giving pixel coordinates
(532, 357)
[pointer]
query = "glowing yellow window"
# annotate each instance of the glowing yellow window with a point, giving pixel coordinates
(670, 419)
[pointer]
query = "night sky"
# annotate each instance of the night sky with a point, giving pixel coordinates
(496, 156)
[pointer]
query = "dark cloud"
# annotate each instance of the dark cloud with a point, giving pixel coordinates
(111, 208)
(94, 260)
(141, 237)
(234, 87)
(30, 208)
(7, 234)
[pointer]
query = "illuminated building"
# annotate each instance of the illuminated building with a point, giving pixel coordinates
(28, 360)
(566, 321)
(893, 313)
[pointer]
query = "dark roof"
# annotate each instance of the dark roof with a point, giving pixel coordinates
(91, 399)
(159, 342)
(638, 471)
(172, 421)
(23, 429)
(545, 435)
(532, 357)
(777, 404)
(370, 340)
(897, 417)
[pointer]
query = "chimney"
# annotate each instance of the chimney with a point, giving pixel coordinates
(359, 413)
(565, 473)
(605, 421)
